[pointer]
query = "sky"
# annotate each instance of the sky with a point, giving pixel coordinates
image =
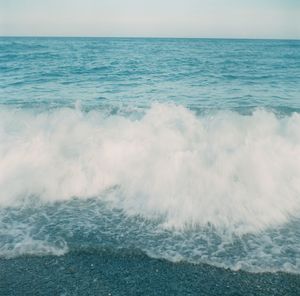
(152, 18)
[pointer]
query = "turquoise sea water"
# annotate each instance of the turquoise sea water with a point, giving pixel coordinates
(185, 150)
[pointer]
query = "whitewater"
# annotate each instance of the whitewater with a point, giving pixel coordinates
(230, 180)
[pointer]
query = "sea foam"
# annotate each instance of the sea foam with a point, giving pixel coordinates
(231, 171)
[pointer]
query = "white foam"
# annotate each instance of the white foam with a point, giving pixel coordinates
(241, 173)
(31, 247)
(18, 238)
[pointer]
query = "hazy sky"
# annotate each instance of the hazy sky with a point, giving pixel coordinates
(169, 18)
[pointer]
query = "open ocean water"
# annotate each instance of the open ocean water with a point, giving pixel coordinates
(149, 166)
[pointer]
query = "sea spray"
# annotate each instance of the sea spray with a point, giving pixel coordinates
(229, 170)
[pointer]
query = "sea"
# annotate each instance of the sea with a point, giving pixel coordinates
(149, 166)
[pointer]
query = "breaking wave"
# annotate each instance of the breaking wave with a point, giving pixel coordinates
(221, 188)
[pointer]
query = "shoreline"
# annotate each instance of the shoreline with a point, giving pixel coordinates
(127, 273)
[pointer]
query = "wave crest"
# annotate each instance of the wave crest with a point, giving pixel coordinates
(228, 170)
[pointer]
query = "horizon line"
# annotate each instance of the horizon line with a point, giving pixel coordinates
(148, 37)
